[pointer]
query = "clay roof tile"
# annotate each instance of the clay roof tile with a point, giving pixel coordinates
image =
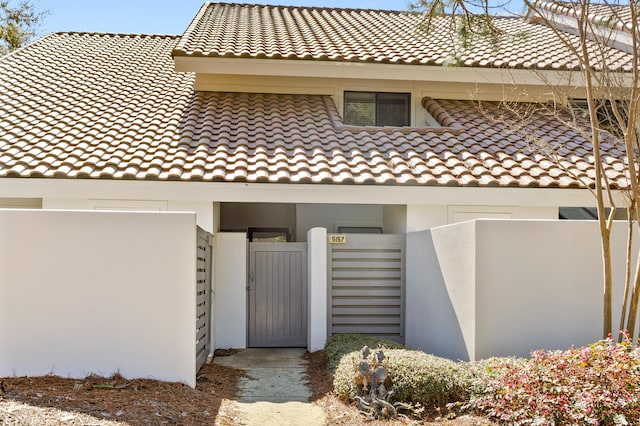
(152, 125)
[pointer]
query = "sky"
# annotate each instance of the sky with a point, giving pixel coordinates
(166, 16)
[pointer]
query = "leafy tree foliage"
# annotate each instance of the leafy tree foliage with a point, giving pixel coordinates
(18, 24)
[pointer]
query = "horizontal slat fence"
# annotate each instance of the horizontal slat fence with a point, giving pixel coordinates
(367, 285)
(203, 296)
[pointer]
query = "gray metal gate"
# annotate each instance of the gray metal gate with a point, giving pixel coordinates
(203, 296)
(366, 289)
(277, 294)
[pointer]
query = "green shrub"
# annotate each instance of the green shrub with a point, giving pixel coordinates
(417, 377)
(339, 345)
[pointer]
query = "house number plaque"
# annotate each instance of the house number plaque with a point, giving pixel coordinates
(337, 239)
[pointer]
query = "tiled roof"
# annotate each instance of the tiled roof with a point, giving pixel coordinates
(112, 107)
(94, 105)
(373, 36)
(616, 16)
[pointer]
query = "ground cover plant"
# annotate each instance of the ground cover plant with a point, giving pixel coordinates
(597, 384)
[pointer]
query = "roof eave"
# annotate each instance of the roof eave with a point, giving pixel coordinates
(364, 70)
(295, 193)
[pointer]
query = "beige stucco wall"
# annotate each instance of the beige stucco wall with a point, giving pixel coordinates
(504, 287)
(20, 203)
(206, 211)
(332, 216)
(496, 86)
(427, 216)
(394, 219)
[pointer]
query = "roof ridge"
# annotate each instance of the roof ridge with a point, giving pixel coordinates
(21, 48)
(112, 34)
(193, 25)
(329, 8)
(282, 6)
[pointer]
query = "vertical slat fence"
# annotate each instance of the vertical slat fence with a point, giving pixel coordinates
(277, 294)
(203, 296)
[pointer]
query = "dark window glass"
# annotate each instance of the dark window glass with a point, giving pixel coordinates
(271, 235)
(392, 109)
(360, 108)
(605, 113)
(360, 229)
(377, 109)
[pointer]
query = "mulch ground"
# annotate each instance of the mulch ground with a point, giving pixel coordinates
(99, 401)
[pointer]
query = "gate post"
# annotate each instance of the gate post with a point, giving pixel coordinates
(317, 282)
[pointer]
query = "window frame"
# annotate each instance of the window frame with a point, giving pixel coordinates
(378, 101)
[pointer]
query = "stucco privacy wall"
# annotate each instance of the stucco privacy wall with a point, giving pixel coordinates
(97, 292)
(230, 293)
(317, 294)
(207, 211)
(440, 283)
(504, 287)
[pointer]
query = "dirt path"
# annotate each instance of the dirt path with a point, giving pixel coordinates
(273, 393)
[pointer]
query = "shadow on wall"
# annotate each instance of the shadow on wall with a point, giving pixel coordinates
(505, 287)
(432, 323)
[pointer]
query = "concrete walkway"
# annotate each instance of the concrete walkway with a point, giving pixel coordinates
(274, 393)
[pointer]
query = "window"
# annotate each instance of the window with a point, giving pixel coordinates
(359, 229)
(377, 109)
(269, 235)
(588, 213)
(605, 114)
